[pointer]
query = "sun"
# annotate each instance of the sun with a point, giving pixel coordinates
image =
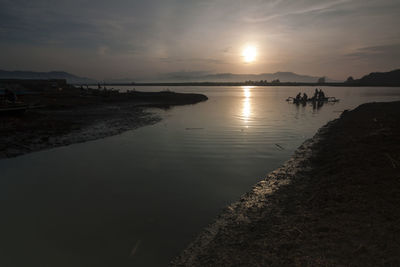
(249, 54)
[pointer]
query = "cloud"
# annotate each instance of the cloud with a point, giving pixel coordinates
(303, 10)
(181, 75)
(153, 36)
(380, 52)
(193, 60)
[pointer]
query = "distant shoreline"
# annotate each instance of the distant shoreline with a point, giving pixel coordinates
(381, 79)
(253, 84)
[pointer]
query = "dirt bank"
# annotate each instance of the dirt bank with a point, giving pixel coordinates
(73, 115)
(335, 203)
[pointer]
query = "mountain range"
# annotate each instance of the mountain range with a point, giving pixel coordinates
(73, 79)
(374, 78)
(230, 77)
(167, 77)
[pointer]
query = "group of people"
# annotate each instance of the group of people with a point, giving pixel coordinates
(319, 95)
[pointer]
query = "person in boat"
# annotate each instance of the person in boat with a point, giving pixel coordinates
(305, 97)
(298, 97)
(316, 93)
(321, 95)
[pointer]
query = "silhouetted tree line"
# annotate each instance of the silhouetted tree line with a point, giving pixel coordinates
(261, 82)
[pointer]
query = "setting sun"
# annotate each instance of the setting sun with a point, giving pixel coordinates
(249, 54)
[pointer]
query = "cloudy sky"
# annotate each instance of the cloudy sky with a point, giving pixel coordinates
(105, 39)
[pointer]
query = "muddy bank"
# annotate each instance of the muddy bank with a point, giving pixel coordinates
(335, 203)
(72, 115)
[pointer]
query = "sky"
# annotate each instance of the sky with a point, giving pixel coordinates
(136, 39)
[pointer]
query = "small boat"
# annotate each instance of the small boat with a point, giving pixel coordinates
(13, 108)
(330, 99)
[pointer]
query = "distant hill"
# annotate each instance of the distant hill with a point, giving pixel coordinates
(230, 77)
(178, 77)
(378, 78)
(72, 79)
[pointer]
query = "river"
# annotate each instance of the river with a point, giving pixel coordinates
(138, 198)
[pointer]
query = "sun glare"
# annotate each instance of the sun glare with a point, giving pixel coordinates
(249, 54)
(246, 109)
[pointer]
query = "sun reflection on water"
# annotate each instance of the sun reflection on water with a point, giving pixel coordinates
(246, 109)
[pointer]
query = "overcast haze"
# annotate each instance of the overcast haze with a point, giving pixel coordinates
(138, 39)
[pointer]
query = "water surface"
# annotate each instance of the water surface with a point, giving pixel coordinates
(138, 198)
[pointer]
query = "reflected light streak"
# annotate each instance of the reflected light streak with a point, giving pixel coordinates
(246, 110)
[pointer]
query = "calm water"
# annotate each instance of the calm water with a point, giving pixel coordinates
(138, 198)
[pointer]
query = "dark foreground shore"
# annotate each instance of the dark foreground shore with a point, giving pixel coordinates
(335, 203)
(73, 115)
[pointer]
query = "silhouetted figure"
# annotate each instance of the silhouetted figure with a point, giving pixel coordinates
(321, 95)
(315, 97)
(298, 97)
(305, 97)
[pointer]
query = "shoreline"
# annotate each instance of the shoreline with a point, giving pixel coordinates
(70, 118)
(260, 83)
(335, 202)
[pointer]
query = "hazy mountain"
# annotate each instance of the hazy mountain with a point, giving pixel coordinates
(379, 78)
(73, 79)
(168, 77)
(230, 77)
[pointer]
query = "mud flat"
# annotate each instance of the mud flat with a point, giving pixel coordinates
(73, 115)
(336, 202)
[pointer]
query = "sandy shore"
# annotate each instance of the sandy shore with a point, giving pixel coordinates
(334, 203)
(70, 117)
